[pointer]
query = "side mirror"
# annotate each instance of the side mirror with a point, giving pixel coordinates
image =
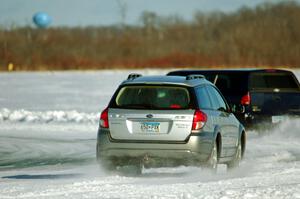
(237, 108)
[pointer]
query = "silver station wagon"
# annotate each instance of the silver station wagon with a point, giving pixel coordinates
(161, 121)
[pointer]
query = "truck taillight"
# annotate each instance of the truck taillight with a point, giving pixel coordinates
(199, 120)
(104, 119)
(246, 99)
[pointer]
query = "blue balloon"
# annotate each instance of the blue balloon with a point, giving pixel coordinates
(41, 19)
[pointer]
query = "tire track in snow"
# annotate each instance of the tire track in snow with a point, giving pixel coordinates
(30, 145)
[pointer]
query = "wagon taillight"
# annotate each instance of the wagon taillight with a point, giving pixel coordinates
(104, 119)
(199, 120)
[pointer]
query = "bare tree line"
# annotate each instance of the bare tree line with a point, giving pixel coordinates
(268, 35)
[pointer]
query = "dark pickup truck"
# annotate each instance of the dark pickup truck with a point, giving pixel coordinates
(263, 96)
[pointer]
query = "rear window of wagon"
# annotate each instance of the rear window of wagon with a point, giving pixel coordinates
(152, 97)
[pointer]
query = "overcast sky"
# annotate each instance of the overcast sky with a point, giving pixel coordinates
(106, 12)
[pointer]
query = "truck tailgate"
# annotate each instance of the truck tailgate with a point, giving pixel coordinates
(275, 103)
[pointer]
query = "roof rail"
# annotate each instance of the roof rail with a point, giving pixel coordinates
(194, 76)
(132, 76)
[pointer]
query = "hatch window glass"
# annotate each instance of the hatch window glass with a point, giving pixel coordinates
(153, 97)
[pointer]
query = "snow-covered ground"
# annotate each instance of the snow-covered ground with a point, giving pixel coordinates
(48, 129)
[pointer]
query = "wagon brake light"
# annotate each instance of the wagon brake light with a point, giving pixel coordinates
(104, 119)
(199, 120)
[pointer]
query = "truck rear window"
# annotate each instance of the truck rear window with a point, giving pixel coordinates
(153, 97)
(273, 80)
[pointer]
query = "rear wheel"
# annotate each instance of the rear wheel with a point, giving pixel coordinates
(127, 169)
(237, 157)
(106, 165)
(213, 159)
(130, 170)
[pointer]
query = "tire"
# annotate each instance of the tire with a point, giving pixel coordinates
(237, 157)
(110, 167)
(213, 158)
(106, 165)
(130, 170)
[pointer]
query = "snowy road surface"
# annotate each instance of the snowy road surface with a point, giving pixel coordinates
(48, 129)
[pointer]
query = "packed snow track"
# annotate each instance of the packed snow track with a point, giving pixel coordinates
(48, 129)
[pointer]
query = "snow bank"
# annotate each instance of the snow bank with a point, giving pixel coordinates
(47, 116)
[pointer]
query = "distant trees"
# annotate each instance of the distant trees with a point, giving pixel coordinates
(268, 35)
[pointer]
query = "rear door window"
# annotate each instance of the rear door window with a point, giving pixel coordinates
(203, 98)
(218, 102)
(228, 82)
(233, 83)
(153, 97)
(266, 80)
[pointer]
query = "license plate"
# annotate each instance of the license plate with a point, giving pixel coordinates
(279, 118)
(151, 127)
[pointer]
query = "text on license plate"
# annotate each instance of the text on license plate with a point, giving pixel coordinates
(279, 118)
(150, 127)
